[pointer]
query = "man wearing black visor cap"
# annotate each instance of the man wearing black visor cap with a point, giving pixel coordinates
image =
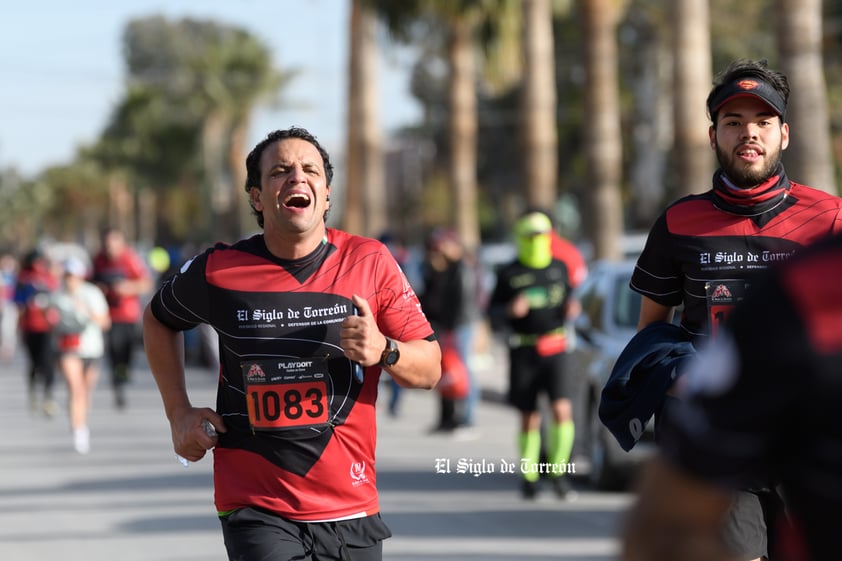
(703, 253)
(749, 87)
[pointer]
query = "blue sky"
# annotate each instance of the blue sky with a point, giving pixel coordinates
(61, 70)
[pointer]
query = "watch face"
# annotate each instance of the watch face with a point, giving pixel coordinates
(391, 354)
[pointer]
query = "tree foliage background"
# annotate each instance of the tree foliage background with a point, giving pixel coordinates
(168, 166)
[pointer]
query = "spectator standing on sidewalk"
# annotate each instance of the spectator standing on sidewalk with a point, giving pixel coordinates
(450, 302)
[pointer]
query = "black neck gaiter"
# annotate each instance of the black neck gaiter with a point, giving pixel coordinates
(750, 201)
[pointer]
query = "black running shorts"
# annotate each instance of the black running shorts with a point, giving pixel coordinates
(530, 374)
(252, 534)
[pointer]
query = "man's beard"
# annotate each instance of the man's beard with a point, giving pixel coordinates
(744, 176)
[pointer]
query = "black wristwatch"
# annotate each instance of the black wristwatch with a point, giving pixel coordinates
(391, 354)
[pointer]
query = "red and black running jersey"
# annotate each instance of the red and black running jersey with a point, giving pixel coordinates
(763, 399)
(704, 258)
(301, 429)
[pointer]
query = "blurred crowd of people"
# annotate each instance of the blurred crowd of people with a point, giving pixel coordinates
(68, 310)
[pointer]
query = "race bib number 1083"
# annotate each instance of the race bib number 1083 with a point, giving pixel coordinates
(285, 394)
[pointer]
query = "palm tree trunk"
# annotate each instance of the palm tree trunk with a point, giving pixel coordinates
(799, 32)
(121, 208)
(365, 209)
(237, 151)
(651, 120)
(603, 139)
(216, 189)
(538, 105)
(691, 84)
(463, 130)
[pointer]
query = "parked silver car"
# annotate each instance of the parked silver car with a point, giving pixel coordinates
(610, 312)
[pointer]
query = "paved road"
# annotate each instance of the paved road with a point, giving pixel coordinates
(129, 499)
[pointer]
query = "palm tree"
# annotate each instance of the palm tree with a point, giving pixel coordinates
(365, 209)
(603, 141)
(195, 84)
(692, 76)
(538, 105)
(235, 73)
(462, 99)
(799, 35)
(500, 28)
(459, 21)
(647, 65)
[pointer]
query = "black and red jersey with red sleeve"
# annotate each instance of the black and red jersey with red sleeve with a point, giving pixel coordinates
(301, 428)
(704, 258)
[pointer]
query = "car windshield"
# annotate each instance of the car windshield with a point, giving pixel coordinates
(627, 311)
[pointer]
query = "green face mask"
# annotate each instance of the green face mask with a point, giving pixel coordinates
(534, 251)
(532, 233)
